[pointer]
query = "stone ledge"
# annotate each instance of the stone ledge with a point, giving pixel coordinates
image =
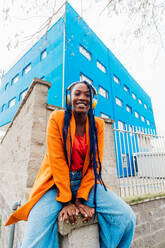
(65, 229)
(144, 198)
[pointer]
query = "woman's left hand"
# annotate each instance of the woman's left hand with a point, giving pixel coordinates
(86, 211)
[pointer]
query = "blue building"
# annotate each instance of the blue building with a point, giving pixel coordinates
(70, 52)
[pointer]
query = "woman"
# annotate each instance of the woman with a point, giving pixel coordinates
(69, 181)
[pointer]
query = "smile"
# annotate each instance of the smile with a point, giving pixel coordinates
(81, 103)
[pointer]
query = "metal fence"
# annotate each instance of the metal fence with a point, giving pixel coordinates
(140, 159)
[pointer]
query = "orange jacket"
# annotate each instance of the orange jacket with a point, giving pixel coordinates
(54, 169)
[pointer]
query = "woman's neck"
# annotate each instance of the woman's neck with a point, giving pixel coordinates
(80, 123)
(80, 118)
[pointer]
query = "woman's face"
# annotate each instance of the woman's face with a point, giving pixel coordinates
(80, 98)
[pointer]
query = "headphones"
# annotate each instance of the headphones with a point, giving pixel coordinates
(68, 96)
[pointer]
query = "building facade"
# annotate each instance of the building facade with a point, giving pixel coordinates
(71, 51)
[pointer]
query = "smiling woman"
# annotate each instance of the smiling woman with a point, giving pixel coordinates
(69, 181)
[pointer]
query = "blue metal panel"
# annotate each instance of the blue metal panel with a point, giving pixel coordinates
(49, 68)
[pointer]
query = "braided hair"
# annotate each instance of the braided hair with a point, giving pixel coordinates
(93, 139)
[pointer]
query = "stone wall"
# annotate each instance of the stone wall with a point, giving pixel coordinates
(21, 152)
(150, 224)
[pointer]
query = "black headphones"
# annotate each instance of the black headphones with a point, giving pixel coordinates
(68, 97)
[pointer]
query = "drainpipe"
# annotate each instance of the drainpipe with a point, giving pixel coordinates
(12, 229)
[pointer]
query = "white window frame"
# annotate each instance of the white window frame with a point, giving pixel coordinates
(134, 96)
(4, 107)
(7, 86)
(137, 115)
(119, 102)
(145, 106)
(85, 78)
(101, 66)
(85, 52)
(129, 109)
(126, 88)
(43, 54)
(15, 79)
(103, 92)
(116, 79)
(140, 101)
(12, 102)
(148, 122)
(142, 118)
(27, 69)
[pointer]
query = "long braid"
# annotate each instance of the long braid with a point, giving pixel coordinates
(93, 147)
(67, 118)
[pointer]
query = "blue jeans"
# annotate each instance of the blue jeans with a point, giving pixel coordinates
(116, 219)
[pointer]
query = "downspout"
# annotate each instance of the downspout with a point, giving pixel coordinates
(63, 72)
(12, 228)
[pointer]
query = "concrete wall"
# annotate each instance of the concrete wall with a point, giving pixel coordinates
(150, 224)
(21, 152)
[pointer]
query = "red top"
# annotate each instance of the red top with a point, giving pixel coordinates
(79, 151)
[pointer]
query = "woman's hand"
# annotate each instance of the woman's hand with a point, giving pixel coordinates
(86, 211)
(69, 213)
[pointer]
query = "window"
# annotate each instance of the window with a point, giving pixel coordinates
(84, 52)
(129, 109)
(15, 79)
(126, 88)
(148, 123)
(140, 101)
(4, 107)
(136, 115)
(85, 78)
(134, 96)
(6, 86)
(116, 79)
(12, 102)
(121, 125)
(43, 54)
(101, 67)
(104, 116)
(142, 118)
(27, 69)
(145, 106)
(103, 92)
(22, 94)
(119, 102)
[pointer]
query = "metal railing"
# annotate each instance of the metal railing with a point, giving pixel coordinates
(140, 159)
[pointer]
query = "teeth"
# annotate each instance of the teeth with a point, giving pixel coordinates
(81, 103)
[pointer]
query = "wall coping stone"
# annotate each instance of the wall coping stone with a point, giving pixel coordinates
(65, 229)
(34, 82)
(144, 198)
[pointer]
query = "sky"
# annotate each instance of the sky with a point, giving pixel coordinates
(143, 57)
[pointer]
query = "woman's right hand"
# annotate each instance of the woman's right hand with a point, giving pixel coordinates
(69, 213)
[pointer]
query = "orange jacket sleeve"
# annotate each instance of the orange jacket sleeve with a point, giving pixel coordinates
(89, 179)
(56, 158)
